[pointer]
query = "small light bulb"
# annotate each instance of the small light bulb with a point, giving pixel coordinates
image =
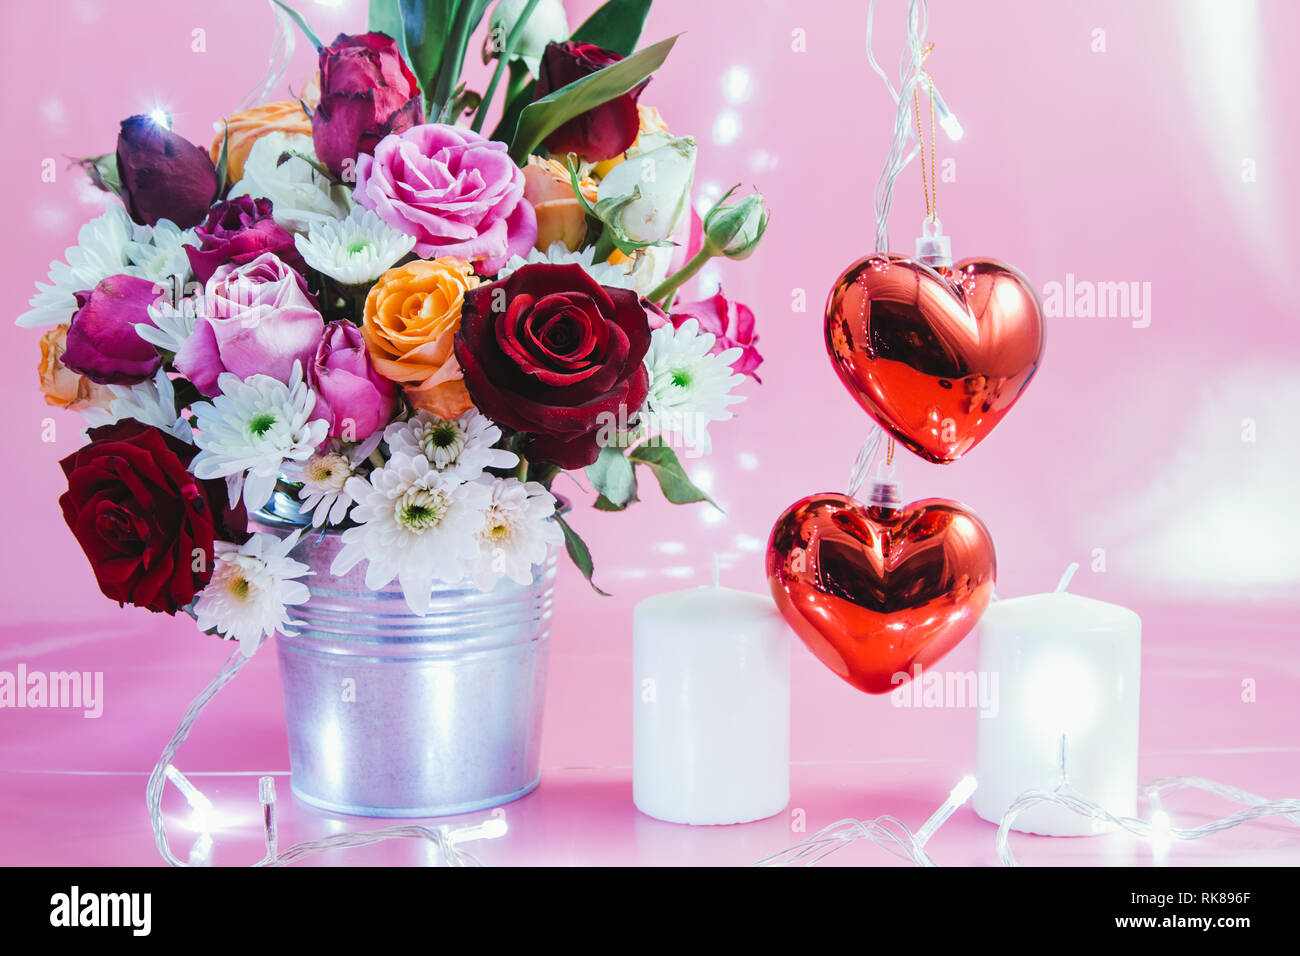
(161, 117)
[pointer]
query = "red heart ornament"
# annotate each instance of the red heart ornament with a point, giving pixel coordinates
(937, 360)
(875, 591)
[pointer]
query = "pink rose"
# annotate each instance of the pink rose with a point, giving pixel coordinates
(102, 343)
(458, 193)
(254, 317)
(733, 325)
(355, 399)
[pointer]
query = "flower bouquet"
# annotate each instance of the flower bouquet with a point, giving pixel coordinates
(357, 313)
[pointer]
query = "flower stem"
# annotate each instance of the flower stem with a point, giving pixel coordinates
(512, 40)
(665, 289)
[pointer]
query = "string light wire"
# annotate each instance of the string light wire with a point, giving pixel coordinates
(446, 839)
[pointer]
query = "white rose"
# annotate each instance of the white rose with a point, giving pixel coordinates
(300, 195)
(658, 173)
(547, 23)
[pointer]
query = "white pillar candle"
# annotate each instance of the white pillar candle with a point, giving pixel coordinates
(711, 710)
(1067, 670)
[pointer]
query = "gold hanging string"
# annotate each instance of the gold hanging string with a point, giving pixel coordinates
(929, 184)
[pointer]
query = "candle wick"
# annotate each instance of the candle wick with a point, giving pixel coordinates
(717, 571)
(1067, 577)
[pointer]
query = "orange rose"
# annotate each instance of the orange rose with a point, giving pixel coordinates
(412, 314)
(560, 217)
(247, 126)
(62, 386)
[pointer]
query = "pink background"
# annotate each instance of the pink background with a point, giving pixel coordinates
(1117, 166)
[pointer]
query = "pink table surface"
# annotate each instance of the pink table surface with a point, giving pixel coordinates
(1165, 452)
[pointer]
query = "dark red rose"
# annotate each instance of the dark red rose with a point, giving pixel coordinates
(162, 175)
(146, 524)
(603, 131)
(366, 92)
(103, 344)
(558, 359)
(238, 231)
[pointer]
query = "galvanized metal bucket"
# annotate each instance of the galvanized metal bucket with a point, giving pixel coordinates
(395, 715)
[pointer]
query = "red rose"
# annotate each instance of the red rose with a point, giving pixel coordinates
(366, 92)
(146, 524)
(603, 131)
(549, 353)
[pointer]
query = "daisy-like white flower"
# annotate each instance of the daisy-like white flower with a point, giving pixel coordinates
(558, 254)
(517, 532)
(158, 253)
(251, 589)
(416, 524)
(300, 194)
(356, 250)
(99, 253)
(248, 431)
(152, 402)
(461, 447)
(172, 324)
(324, 478)
(689, 388)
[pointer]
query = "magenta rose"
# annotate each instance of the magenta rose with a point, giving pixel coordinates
(253, 318)
(355, 399)
(603, 131)
(238, 231)
(102, 341)
(732, 323)
(456, 192)
(564, 358)
(366, 92)
(162, 175)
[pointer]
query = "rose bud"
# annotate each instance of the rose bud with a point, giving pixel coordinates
(366, 92)
(163, 175)
(603, 131)
(653, 204)
(734, 229)
(355, 399)
(238, 231)
(547, 23)
(102, 341)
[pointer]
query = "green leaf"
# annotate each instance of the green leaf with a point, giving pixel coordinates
(612, 475)
(673, 480)
(297, 18)
(223, 162)
(577, 549)
(615, 26)
(542, 117)
(386, 17)
(468, 13)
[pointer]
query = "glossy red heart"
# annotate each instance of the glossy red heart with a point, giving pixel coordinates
(937, 360)
(873, 591)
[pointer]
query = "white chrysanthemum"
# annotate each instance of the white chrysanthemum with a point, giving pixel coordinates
(172, 325)
(99, 253)
(415, 524)
(517, 532)
(251, 428)
(158, 253)
(251, 588)
(357, 250)
(689, 388)
(558, 254)
(461, 447)
(300, 195)
(152, 402)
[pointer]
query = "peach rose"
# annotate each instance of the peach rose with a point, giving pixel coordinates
(247, 126)
(62, 386)
(560, 217)
(412, 314)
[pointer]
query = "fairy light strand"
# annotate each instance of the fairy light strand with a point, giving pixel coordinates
(446, 839)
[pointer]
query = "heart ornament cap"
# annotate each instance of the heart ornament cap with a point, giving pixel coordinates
(937, 359)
